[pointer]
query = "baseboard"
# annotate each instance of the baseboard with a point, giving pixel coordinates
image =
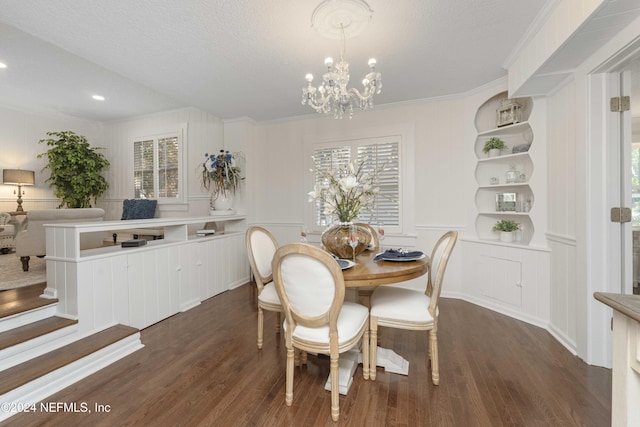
(189, 304)
(555, 333)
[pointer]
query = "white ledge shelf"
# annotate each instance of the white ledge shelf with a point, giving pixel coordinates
(87, 227)
(496, 242)
(506, 130)
(63, 239)
(514, 185)
(504, 157)
(503, 213)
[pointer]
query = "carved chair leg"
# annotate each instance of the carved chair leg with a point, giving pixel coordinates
(260, 327)
(365, 355)
(25, 262)
(433, 345)
(288, 395)
(373, 347)
(335, 390)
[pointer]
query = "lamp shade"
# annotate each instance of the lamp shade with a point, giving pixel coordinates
(18, 177)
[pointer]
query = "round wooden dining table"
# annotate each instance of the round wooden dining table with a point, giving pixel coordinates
(368, 272)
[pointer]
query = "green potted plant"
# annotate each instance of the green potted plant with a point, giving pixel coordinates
(506, 228)
(75, 169)
(493, 146)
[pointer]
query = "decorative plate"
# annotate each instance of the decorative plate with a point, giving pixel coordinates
(401, 259)
(345, 263)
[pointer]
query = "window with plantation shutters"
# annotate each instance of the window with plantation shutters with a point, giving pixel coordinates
(327, 159)
(157, 167)
(377, 154)
(383, 156)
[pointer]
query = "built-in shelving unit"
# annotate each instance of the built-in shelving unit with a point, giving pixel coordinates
(139, 286)
(491, 172)
(509, 277)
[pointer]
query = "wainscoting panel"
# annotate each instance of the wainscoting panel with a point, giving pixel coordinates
(508, 279)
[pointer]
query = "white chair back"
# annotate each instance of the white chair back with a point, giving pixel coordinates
(439, 259)
(310, 285)
(261, 246)
(375, 240)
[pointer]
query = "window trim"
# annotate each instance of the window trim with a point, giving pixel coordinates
(179, 131)
(405, 133)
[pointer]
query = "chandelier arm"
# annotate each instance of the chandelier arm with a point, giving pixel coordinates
(318, 106)
(368, 94)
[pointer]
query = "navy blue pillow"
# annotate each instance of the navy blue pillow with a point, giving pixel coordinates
(138, 208)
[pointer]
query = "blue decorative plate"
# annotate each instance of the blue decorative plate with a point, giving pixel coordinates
(345, 263)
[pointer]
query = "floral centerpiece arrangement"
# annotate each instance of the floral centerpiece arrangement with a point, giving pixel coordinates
(345, 191)
(342, 193)
(221, 175)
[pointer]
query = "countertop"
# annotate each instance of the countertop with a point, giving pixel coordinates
(629, 305)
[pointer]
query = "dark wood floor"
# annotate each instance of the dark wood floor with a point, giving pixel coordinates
(202, 368)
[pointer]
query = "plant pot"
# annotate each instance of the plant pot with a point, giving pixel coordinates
(222, 205)
(506, 236)
(336, 239)
(494, 152)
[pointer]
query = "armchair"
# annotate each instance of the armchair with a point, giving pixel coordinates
(30, 240)
(7, 233)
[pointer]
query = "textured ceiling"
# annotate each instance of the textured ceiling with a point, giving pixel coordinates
(240, 58)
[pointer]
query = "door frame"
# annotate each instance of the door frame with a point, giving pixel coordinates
(604, 241)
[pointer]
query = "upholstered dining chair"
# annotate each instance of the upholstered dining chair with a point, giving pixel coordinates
(364, 292)
(261, 246)
(311, 287)
(413, 310)
(375, 240)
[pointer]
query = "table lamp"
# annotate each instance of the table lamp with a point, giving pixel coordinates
(18, 177)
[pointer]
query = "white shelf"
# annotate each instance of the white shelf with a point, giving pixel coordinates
(505, 158)
(514, 185)
(497, 242)
(503, 213)
(514, 129)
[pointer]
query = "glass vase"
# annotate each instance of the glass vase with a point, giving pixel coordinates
(336, 239)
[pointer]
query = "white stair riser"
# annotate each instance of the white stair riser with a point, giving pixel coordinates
(24, 318)
(39, 389)
(38, 346)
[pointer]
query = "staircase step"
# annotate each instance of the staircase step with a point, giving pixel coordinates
(26, 372)
(33, 330)
(14, 301)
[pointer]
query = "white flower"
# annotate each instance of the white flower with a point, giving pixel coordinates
(345, 191)
(348, 182)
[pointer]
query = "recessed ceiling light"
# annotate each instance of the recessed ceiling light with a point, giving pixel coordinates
(98, 97)
(3, 65)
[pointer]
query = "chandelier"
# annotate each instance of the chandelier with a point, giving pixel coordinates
(333, 96)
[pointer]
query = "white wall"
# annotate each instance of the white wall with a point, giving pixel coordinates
(204, 135)
(561, 234)
(19, 146)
